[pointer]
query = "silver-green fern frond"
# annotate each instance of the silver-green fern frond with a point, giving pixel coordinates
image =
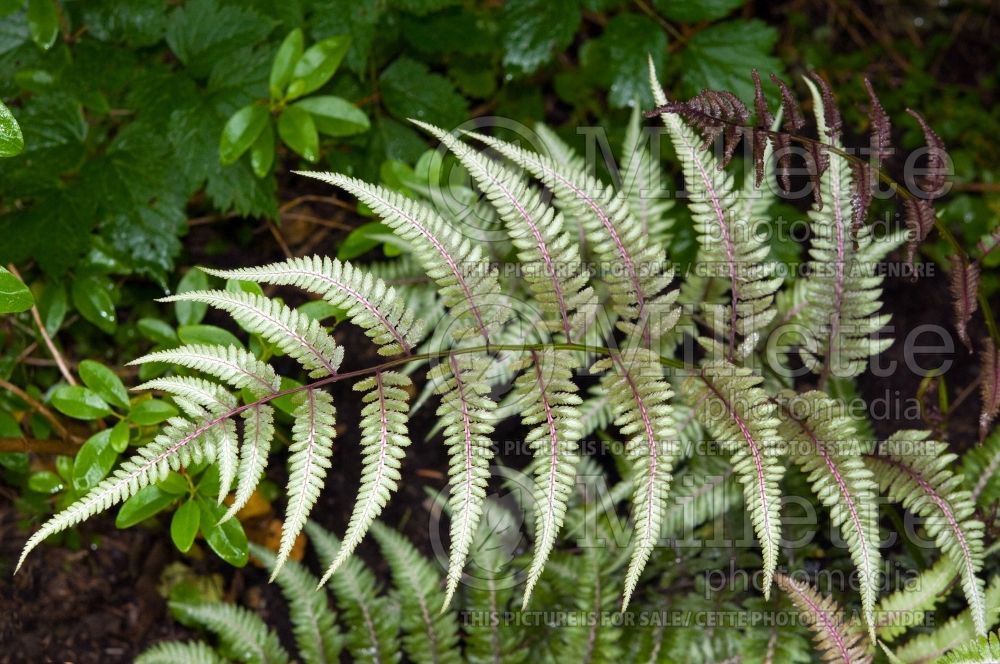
(836, 639)
(915, 472)
(642, 183)
(640, 397)
(842, 287)
(369, 302)
(737, 412)
(243, 635)
(822, 440)
(178, 652)
(906, 607)
(384, 439)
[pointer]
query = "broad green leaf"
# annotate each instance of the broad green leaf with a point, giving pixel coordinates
(151, 411)
(358, 18)
(45, 481)
(52, 306)
(335, 116)
(94, 460)
(262, 152)
(692, 11)
(320, 310)
(184, 525)
(228, 539)
(191, 313)
(240, 132)
(11, 139)
(298, 131)
(317, 65)
(618, 58)
(239, 286)
(147, 502)
(14, 295)
(92, 300)
(104, 382)
(80, 403)
(174, 483)
(534, 29)
(411, 90)
(119, 436)
(721, 57)
(43, 22)
(202, 32)
(157, 331)
(285, 60)
(207, 334)
(363, 239)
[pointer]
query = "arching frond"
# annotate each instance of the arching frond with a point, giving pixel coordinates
(704, 489)
(314, 624)
(258, 432)
(431, 636)
(311, 448)
(729, 243)
(372, 621)
(915, 472)
(980, 465)
(465, 279)
(180, 443)
(370, 303)
(836, 640)
(842, 287)
(642, 183)
(550, 259)
(180, 652)
(300, 337)
(983, 650)
(384, 439)
(466, 414)
(640, 397)
(227, 363)
(822, 439)
(243, 635)
(636, 273)
(905, 608)
(546, 397)
(730, 404)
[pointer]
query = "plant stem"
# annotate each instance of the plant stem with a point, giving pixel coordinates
(56, 355)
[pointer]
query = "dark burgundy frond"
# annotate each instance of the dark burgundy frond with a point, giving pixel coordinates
(791, 123)
(881, 126)
(934, 180)
(989, 386)
(834, 125)
(762, 127)
(712, 113)
(861, 196)
(919, 220)
(964, 290)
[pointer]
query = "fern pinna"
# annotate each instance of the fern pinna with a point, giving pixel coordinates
(622, 322)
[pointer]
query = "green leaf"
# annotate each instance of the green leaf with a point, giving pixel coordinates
(411, 90)
(119, 436)
(207, 334)
(318, 64)
(157, 331)
(80, 403)
(618, 58)
(104, 382)
(147, 502)
(14, 295)
(534, 29)
(721, 57)
(45, 481)
(11, 139)
(201, 32)
(285, 60)
(190, 313)
(227, 539)
(335, 116)
(184, 525)
(92, 300)
(298, 131)
(240, 286)
(52, 307)
(240, 132)
(363, 239)
(43, 22)
(175, 484)
(94, 460)
(151, 411)
(692, 11)
(262, 152)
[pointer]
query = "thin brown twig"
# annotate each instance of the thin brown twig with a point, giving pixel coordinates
(56, 355)
(36, 446)
(39, 408)
(316, 198)
(279, 238)
(308, 218)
